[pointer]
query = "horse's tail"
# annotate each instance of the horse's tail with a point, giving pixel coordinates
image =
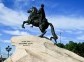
(55, 37)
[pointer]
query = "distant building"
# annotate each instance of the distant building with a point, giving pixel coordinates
(2, 59)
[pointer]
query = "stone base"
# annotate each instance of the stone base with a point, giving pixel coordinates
(36, 49)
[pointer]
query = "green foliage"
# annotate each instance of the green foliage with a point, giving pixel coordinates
(71, 46)
(77, 48)
(60, 45)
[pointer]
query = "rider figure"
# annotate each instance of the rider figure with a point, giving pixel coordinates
(37, 14)
(41, 12)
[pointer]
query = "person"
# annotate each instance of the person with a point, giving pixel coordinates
(41, 13)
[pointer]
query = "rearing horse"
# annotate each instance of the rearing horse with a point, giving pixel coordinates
(43, 26)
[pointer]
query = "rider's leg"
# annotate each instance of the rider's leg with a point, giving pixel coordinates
(40, 21)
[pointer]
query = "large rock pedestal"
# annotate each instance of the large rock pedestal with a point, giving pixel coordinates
(36, 49)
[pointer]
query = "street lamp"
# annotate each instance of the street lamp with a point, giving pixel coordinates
(8, 49)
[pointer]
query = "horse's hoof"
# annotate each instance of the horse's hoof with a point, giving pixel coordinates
(41, 36)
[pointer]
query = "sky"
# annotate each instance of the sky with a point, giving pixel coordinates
(67, 16)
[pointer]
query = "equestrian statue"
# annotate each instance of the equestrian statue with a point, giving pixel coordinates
(37, 18)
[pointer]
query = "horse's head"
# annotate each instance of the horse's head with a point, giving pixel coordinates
(32, 10)
(29, 11)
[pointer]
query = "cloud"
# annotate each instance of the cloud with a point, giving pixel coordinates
(22, 4)
(76, 32)
(81, 37)
(13, 18)
(6, 41)
(10, 17)
(61, 23)
(69, 31)
(33, 0)
(16, 32)
(65, 22)
(79, 32)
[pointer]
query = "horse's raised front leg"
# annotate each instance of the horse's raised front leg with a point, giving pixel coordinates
(23, 24)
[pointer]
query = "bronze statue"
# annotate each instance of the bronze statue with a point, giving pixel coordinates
(37, 18)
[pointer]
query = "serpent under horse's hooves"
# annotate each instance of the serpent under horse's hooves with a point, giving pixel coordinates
(43, 26)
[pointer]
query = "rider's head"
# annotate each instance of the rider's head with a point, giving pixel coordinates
(42, 5)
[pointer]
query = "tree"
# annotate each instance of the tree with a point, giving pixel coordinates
(60, 45)
(71, 46)
(77, 48)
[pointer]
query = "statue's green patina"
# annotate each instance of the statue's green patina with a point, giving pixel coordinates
(37, 18)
